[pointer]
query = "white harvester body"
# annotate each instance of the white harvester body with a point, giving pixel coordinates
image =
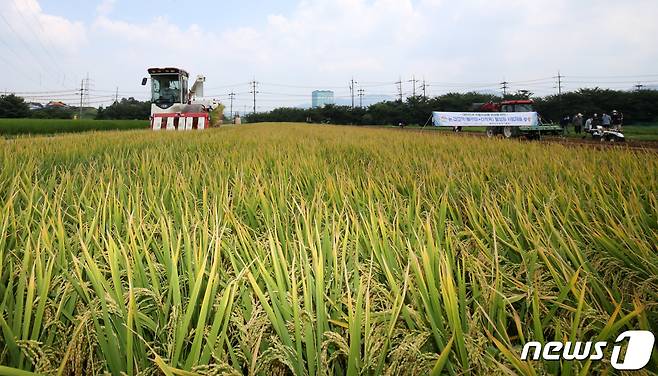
(173, 105)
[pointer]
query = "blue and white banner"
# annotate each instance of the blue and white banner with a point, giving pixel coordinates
(484, 119)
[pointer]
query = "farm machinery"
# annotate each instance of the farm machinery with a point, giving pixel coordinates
(610, 135)
(173, 105)
(511, 118)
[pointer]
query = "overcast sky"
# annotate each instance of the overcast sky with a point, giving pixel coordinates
(292, 47)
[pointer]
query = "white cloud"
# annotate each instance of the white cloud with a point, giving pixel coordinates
(60, 32)
(326, 42)
(38, 48)
(329, 41)
(105, 7)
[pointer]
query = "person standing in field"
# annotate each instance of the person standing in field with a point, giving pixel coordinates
(617, 119)
(578, 123)
(588, 124)
(564, 123)
(605, 120)
(596, 121)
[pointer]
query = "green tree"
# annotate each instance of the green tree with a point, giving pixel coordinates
(12, 106)
(126, 109)
(53, 113)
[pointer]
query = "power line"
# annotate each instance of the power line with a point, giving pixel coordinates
(38, 38)
(533, 80)
(25, 44)
(376, 84)
(301, 86)
(622, 76)
(44, 92)
(24, 74)
(229, 85)
(609, 82)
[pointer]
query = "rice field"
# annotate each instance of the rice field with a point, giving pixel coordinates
(26, 127)
(296, 249)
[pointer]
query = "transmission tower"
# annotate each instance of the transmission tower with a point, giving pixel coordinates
(399, 83)
(413, 83)
(504, 86)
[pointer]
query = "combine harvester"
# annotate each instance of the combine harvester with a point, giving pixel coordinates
(513, 118)
(173, 106)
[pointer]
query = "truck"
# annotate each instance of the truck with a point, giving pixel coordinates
(498, 120)
(175, 105)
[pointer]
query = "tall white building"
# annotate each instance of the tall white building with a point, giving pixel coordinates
(321, 98)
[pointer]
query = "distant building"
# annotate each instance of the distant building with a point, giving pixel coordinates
(321, 98)
(57, 104)
(35, 106)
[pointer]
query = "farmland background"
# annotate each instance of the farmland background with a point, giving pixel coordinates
(318, 249)
(10, 128)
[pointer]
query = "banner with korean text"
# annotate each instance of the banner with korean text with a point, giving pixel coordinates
(484, 119)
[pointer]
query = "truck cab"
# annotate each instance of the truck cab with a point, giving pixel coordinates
(521, 105)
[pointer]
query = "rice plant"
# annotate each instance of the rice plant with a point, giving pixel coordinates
(305, 250)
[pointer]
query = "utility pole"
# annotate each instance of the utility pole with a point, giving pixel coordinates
(231, 95)
(254, 92)
(361, 91)
(352, 82)
(639, 86)
(116, 96)
(82, 91)
(413, 82)
(87, 87)
(559, 92)
(504, 86)
(399, 83)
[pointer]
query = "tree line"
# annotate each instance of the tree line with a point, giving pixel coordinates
(637, 106)
(12, 106)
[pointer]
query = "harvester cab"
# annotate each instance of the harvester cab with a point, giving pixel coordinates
(173, 105)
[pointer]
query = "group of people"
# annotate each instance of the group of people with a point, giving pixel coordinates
(614, 120)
